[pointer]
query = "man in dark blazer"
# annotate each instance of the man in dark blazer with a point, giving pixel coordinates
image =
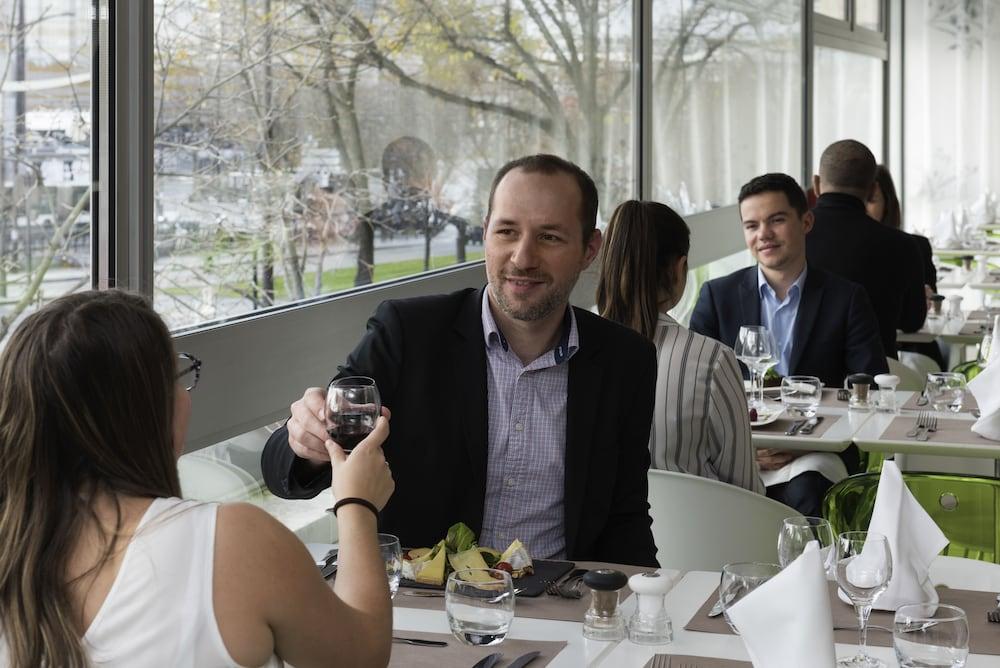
(824, 325)
(847, 242)
(436, 363)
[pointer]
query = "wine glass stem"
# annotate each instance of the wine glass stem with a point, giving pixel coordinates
(864, 611)
(753, 385)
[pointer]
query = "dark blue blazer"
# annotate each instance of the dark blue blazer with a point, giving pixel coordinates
(836, 333)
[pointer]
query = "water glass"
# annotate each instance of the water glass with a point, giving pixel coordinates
(392, 555)
(479, 603)
(797, 532)
(930, 635)
(801, 395)
(864, 568)
(740, 579)
(945, 391)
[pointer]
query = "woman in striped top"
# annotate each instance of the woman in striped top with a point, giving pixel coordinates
(700, 421)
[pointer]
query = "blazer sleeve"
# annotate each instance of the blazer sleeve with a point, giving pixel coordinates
(705, 318)
(914, 311)
(378, 355)
(863, 351)
(627, 537)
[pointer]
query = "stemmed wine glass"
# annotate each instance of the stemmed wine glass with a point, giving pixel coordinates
(352, 407)
(755, 347)
(864, 568)
(797, 532)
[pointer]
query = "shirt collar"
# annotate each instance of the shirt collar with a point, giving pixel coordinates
(566, 346)
(767, 291)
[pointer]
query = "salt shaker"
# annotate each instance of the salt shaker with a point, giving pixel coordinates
(603, 620)
(886, 392)
(650, 624)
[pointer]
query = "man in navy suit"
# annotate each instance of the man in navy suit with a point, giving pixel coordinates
(824, 325)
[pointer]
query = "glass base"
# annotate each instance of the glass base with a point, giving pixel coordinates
(861, 661)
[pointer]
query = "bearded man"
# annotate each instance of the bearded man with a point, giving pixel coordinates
(512, 411)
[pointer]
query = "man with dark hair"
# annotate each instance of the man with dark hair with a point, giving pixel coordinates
(847, 242)
(823, 325)
(512, 411)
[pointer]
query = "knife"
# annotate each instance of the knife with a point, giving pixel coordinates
(798, 424)
(524, 660)
(488, 661)
(809, 426)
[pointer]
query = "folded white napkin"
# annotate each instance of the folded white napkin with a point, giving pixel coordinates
(786, 622)
(914, 541)
(986, 389)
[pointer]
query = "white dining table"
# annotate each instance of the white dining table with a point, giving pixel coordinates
(835, 439)
(687, 596)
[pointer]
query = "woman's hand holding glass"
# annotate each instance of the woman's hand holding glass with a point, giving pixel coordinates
(364, 473)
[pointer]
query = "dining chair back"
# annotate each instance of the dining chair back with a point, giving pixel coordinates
(909, 379)
(965, 507)
(702, 524)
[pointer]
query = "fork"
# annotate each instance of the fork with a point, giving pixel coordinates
(994, 615)
(929, 428)
(659, 661)
(922, 417)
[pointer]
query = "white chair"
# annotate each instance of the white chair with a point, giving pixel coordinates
(701, 524)
(919, 362)
(908, 378)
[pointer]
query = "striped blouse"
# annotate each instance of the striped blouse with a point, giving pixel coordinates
(700, 420)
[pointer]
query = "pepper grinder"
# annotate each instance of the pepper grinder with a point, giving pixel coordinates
(650, 624)
(603, 620)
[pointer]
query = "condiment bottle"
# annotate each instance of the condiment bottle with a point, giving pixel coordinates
(650, 624)
(603, 620)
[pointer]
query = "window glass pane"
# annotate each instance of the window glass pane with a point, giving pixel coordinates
(727, 99)
(834, 8)
(951, 122)
(45, 70)
(308, 147)
(868, 14)
(847, 100)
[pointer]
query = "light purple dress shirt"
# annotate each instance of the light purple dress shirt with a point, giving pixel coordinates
(525, 470)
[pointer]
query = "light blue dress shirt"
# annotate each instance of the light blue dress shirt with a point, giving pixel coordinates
(779, 316)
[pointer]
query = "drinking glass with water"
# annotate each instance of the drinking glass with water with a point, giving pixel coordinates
(392, 555)
(479, 603)
(945, 391)
(931, 635)
(801, 395)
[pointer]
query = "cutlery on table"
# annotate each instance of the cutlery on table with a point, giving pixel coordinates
(488, 661)
(420, 642)
(433, 593)
(552, 587)
(976, 413)
(918, 426)
(810, 425)
(994, 614)
(922, 400)
(929, 428)
(798, 424)
(870, 627)
(524, 660)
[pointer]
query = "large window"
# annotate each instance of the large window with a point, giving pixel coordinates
(305, 147)
(847, 100)
(727, 98)
(45, 126)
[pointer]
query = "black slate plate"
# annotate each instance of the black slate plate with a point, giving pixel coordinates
(532, 585)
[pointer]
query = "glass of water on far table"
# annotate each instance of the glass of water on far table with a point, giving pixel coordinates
(480, 605)
(930, 635)
(801, 395)
(392, 555)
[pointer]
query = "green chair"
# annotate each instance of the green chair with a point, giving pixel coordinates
(965, 507)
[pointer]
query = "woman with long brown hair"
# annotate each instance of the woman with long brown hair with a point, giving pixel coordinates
(700, 422)
(102, 564)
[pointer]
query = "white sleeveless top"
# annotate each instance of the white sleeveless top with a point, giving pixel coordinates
(159, 611)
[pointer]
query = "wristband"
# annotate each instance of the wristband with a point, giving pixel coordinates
(354, 499)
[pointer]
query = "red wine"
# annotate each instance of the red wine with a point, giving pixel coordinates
(349, 429)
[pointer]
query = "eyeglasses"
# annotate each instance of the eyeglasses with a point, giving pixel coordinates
(189, 370)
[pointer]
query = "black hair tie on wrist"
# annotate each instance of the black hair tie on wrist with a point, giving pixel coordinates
(354, 499)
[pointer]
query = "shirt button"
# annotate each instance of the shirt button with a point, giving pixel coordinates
(511, 482)
(518, 426)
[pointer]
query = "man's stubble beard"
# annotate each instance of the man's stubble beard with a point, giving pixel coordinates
(556, 298)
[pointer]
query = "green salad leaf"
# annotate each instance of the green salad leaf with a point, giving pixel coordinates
(460, 538)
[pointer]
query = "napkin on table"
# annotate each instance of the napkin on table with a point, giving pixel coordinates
(786, 622)
(914, 541)
(986, 389)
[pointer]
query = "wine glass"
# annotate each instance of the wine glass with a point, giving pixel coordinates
(392, 555)
(755, 348)
(352, 407)
(797, 532)
(479, 603)
(740, 579)
(864, 568)
(945, 391)
(930, 635)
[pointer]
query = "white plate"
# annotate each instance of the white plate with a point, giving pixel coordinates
(771, 414)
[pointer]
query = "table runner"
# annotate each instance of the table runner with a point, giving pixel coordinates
(969, 403)
(538, 607)
(948, 431)
(984, 637)
(684, 661)
(457, 654)
(975, 329)
(781, 425)
(981, 314)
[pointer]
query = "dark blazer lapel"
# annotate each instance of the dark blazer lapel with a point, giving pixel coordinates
(582, 410)
(805, 319)
(749, 298)
(469, 368)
